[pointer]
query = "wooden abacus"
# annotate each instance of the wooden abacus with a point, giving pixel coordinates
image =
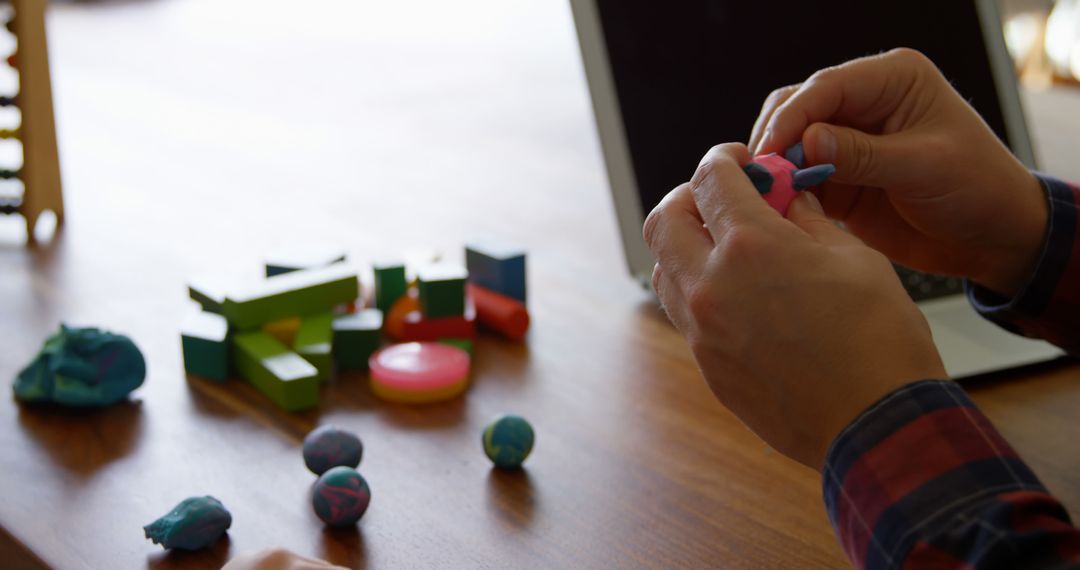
(40, 170)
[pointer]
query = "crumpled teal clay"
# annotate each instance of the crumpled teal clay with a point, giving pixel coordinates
(82, 367)
(197, 522)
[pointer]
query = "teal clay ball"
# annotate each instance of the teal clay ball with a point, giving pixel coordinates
(508, 441)
(340, 496)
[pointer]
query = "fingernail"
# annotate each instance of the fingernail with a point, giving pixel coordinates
(813, 202)
(825, 145)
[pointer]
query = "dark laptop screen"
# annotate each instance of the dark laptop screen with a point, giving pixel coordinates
(694, 73)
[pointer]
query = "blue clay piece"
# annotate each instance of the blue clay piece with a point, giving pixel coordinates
(197, 522)
(340, 496)
(796, 155)
(813, 176)
(760, 176)
(329, 446)
(82, 367)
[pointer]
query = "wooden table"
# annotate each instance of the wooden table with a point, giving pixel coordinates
(196, 134)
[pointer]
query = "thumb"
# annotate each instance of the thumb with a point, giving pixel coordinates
(806, 212)
(861, 159)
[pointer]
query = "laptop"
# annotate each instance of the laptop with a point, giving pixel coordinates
(670, 79)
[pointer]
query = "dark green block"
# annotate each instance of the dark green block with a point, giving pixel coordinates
(390, 283)
(205, 340)
(356, 337)
(314, 340)
(287, 379)
(295, 294)
(442, 291)
(297, 257)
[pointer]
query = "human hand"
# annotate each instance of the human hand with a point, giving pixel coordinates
(278, 559)
(919, 175)
(796, 325)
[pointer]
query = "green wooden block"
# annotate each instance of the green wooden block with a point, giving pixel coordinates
(390, 283)
(209, 291)
(465, 344)
(295, 294)
(287, 379)
(442, 290)
(204, 338)
(296, 257)
(356, 337)
(314, 340)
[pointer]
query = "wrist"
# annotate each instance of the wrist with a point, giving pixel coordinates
(1018, 257)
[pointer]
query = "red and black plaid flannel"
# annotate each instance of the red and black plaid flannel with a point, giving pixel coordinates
(923, 479)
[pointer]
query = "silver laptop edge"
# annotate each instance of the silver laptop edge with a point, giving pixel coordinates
(968, 344)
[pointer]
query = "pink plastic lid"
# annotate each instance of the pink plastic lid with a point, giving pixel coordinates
(419, 366)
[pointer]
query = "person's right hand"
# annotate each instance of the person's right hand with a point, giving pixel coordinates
(919, 175)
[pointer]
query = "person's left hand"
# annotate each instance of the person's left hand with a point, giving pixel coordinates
(796, 325)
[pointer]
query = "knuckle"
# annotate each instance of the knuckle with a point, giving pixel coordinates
(701, 302)
(908, 56)
(780, 94)
(863, 160)
(740, 244)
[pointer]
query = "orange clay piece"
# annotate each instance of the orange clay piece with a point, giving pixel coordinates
(394, 321)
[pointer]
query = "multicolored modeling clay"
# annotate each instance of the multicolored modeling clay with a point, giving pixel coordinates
(779, 179)
(82, 367)
(197, 522)
(329, 446)
(340, 496)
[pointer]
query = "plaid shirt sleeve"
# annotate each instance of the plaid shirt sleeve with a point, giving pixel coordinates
(923, 480)
(1048, 306)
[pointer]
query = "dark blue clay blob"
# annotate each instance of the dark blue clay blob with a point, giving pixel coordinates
(82, 367)
(760, 176)
(329, 446)
(197, 522)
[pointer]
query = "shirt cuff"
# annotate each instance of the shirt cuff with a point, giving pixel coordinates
(908, 465)
(1043, 285)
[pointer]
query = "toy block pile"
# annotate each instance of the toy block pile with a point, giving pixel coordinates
(291, 331)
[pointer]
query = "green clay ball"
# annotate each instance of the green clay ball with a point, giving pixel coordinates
(508, 441)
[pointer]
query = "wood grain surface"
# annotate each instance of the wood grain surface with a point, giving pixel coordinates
(197, 134)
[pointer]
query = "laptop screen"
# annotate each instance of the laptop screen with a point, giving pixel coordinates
(694, 73)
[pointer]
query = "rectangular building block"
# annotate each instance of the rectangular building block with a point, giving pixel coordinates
(442, 290)
(497, 266)
(297, 257)
(209, 291)
(390, 283)
(356, 337)
(415, 327)
(287, 379)
(204, 338)
(314, 341)
(296, 294)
